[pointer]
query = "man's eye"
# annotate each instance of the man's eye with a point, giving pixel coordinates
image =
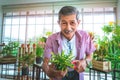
(63, 23)
(72, 23)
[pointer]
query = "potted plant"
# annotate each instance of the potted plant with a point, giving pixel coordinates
(108, 50)
(40, 49)
(9, 52)
(39, 53)
(61, 61)
(10, 49)
(113, 32)
(26, 60)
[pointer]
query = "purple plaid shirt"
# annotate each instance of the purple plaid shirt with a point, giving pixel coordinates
(83, 44)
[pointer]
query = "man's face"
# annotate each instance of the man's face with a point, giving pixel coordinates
(68, 25)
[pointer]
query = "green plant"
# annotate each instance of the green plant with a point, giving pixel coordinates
(11, 48)
(109, 46)
(39, 50)
(62, 61)
(113, 31)
(27, 59)
(102, 49)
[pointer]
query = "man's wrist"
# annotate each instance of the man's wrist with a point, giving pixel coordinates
(87, 62)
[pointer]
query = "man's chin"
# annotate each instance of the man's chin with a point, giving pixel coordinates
(69, 36)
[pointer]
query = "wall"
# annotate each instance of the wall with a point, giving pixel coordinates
(118, 11)
(0, 22)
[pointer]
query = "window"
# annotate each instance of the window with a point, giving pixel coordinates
(23, 26)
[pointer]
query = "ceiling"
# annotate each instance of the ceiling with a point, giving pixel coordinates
(11, 2)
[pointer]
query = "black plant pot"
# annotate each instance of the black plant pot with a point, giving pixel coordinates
(39, 60)
(25, 70)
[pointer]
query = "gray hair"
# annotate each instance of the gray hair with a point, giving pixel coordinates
(68, 10)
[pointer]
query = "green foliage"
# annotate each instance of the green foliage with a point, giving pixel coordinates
(39, 50)
(62, 61)
(109, 45)
(102, 49)
(11, 48)
(48, 33)
(27, 59)
(40, 46)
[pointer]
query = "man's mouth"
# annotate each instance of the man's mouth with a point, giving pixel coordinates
(67, 31)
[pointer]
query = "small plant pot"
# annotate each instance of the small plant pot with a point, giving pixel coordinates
(39, 60)
(25, 71)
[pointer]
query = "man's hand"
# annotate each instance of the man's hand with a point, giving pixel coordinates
(51, 71)
(79, 65)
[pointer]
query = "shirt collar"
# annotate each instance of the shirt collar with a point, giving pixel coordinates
(65, 40)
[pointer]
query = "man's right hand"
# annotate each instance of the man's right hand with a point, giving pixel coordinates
(51, 71)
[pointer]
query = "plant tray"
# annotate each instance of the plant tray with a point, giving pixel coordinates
(101, 65)
(7, 60)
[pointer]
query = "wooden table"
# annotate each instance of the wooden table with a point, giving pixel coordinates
(40, 75)
(98, 73)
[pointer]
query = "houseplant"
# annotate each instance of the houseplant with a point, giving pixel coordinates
(40, 44)
(9, 52)
(113, 33)
(39, 53)
(26, 60)
(62, 61)
(109, 45)
(10, 49)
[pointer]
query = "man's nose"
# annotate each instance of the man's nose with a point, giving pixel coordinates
(68, 27)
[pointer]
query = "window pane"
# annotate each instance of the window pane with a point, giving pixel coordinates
(48, 28)
(99, 18)
(22, 33)
(39, 30)
(31, 20)
(48, 19)
(109, 17)
(30, 32)
(98, 29)
(40, 20)
(87, 18)
(56, 28)
(22, 20)
(14, 34)
(7, 20)
(7, 33)
(88, 27)
(15, 20)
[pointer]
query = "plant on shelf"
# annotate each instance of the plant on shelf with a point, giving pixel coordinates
(10, 49)
(26, 60)
(40, 49)
(39, 53)
(109, 45)
(102, 49)
(113, 33)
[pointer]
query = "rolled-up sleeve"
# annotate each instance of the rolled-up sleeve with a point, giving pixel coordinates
(90, 48)
(48, 48)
